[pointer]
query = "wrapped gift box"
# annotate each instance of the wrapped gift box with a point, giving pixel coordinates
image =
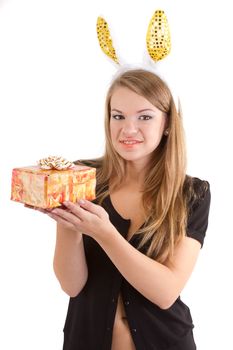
(49, 188)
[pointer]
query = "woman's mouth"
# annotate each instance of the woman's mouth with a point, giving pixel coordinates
(130, 142)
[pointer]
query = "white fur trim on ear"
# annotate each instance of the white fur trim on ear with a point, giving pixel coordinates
(151, 68)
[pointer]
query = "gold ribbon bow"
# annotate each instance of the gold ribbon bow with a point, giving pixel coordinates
(54, 162)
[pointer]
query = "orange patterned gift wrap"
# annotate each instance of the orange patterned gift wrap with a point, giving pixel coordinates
(49, 188)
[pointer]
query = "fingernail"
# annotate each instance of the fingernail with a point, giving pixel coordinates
(81, 201)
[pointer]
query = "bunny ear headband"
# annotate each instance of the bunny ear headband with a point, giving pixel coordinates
(158, 42)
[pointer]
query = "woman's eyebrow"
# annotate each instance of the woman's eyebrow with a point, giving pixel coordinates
(141, 110)
(146, 110)
(116, 110)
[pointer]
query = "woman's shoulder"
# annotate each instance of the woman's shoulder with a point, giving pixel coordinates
(196, 190)
(199, 186)
(95, 163)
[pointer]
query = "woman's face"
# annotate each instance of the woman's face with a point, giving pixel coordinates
(136, 126)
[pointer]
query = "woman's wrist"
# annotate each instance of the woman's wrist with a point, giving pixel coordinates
(107, 236)
(68, 233)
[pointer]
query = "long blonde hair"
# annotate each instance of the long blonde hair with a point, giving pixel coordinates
(167, 187)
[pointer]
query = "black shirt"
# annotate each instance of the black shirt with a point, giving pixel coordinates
(91, 314)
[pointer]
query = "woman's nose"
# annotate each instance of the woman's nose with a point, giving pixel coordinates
(130, 128)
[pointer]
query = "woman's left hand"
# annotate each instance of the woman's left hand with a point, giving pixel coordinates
(86, 217)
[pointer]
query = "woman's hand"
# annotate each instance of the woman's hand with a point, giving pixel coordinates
(84, 216)
(48, 211)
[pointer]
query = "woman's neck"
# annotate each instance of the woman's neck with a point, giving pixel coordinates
(135, 173)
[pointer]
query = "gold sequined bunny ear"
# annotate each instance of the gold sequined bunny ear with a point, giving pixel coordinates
(105, 39)
(158, 37)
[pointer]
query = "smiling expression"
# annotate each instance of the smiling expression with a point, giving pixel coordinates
(136, 125)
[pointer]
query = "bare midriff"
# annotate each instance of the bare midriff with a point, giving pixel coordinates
(121, 336)
(127, 201)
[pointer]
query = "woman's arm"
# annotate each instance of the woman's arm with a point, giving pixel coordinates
(160, 283)
(69, 260)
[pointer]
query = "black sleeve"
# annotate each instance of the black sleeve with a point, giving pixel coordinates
(199, 212)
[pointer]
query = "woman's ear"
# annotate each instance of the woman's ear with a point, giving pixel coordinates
(166, 127)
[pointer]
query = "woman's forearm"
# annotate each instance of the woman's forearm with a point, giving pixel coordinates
(157, 282)
(69, 261)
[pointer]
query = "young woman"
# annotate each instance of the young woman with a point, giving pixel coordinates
(125, 258)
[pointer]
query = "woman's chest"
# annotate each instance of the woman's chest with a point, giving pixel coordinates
(128, 205)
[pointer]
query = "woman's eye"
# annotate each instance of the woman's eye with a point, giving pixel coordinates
(145, 117)
(117, 116)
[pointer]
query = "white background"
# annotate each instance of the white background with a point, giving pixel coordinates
(53, 80)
